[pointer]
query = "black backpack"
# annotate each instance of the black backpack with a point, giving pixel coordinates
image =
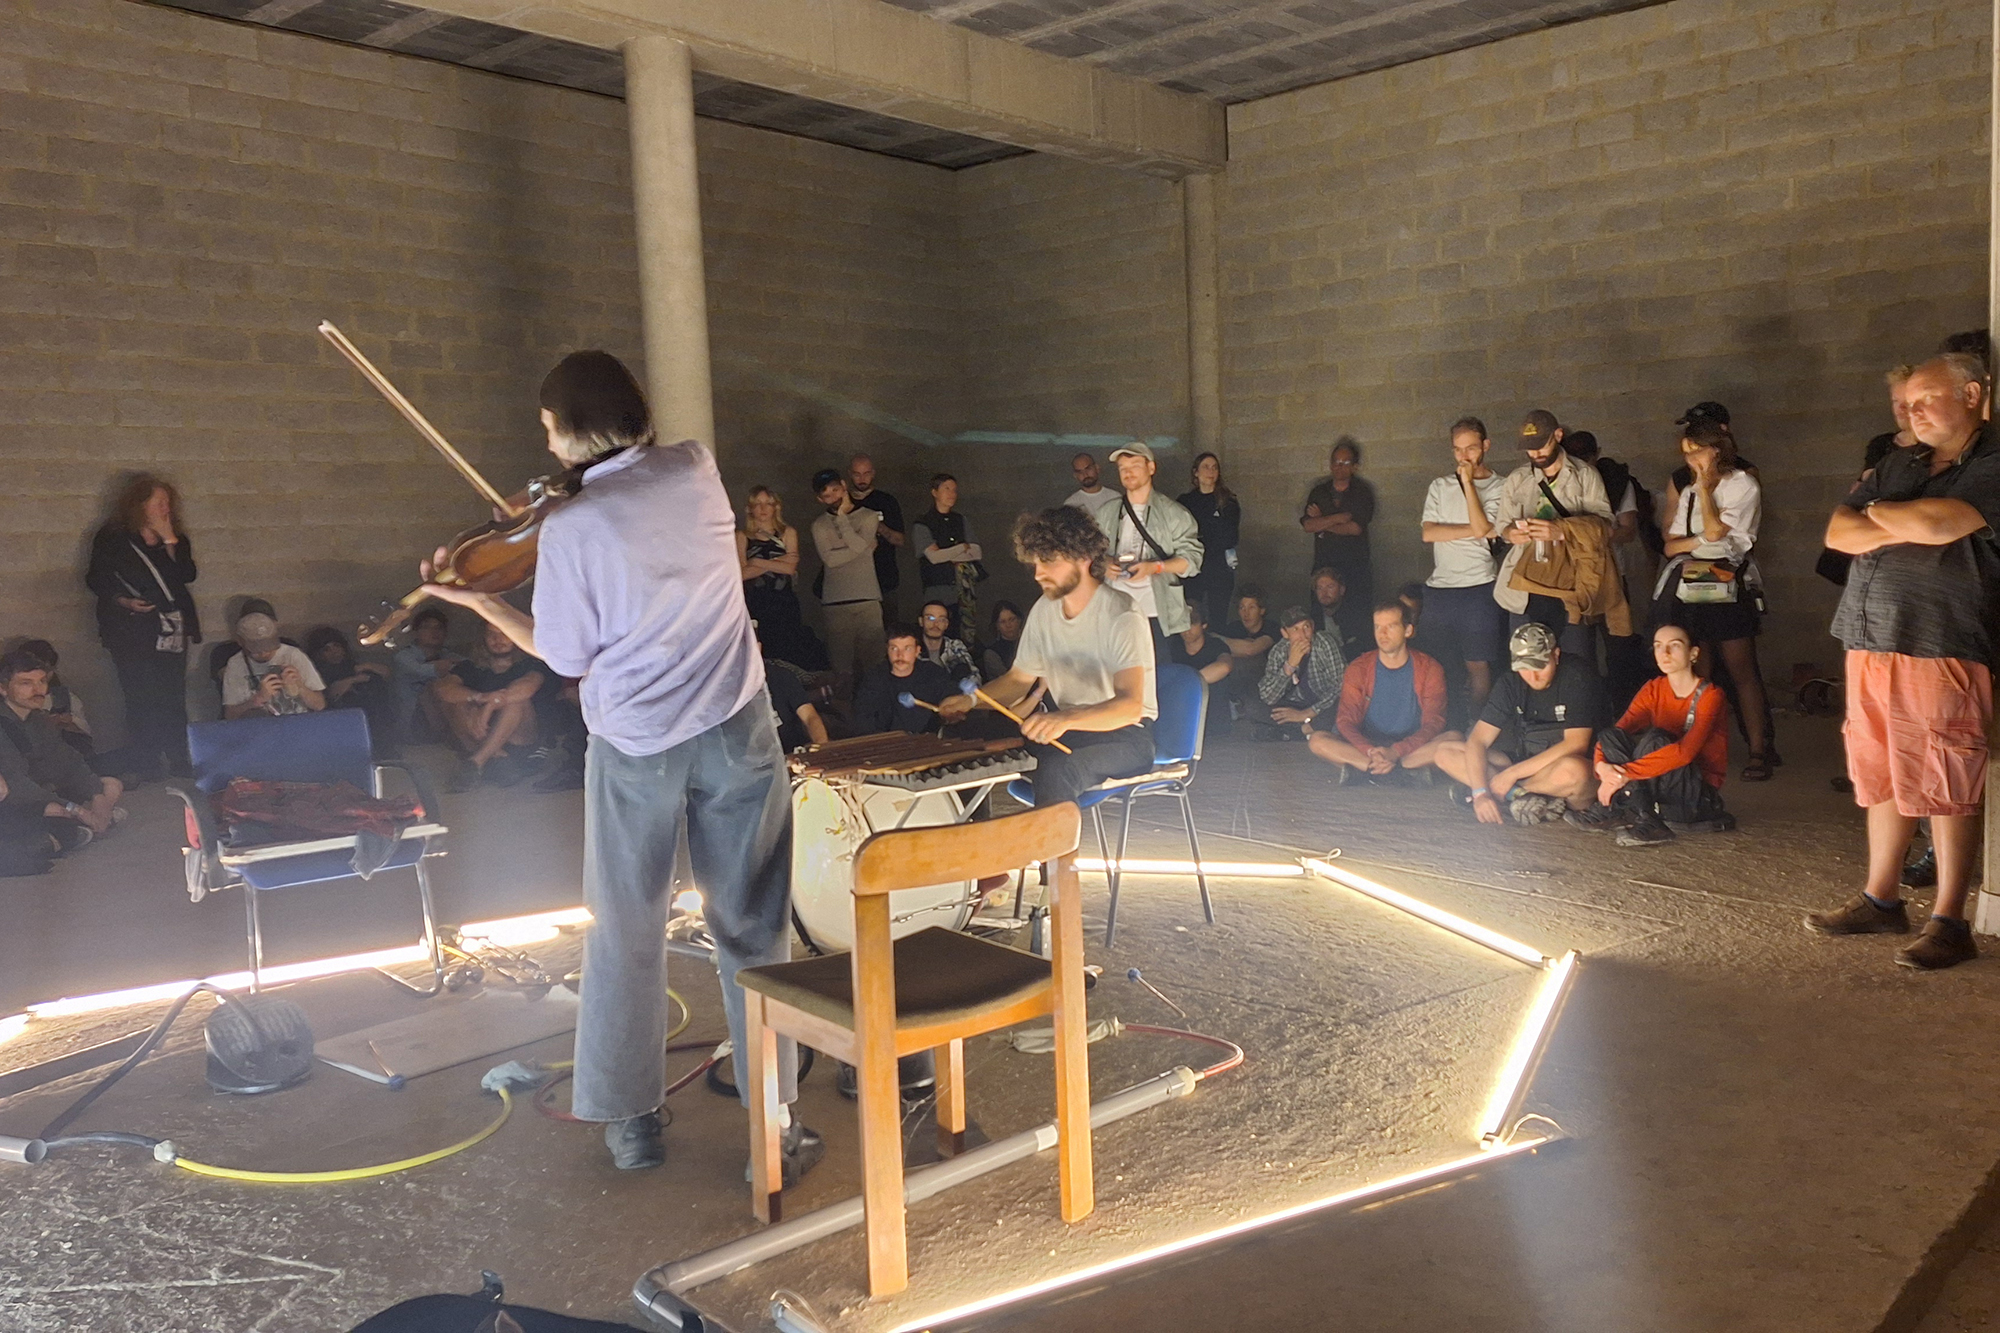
(1616, 475)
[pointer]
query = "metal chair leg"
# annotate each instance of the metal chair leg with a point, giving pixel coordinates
(1104, 851)
(1194, 850)
(1124, 841)
(430, 941)
(253, 929)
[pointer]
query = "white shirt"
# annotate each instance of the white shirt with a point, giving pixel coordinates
(240, 677)
(1130, 550)
(1081, 658)
(1088, 501)
(1739, 502)
(638, 591)
(1466, 562)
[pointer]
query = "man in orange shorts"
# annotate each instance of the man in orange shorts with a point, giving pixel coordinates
(1916, 619)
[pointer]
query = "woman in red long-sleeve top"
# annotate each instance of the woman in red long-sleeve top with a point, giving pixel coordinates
(1661, 768)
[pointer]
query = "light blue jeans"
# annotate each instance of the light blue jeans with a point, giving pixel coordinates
(729, 787)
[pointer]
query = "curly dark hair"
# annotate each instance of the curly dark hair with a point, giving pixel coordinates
(1062, 533)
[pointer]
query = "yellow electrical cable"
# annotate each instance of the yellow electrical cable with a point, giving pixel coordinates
(406, 1164)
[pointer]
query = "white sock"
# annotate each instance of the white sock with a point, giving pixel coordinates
(784, 1115)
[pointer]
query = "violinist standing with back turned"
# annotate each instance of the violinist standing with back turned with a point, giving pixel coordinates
(637, 592)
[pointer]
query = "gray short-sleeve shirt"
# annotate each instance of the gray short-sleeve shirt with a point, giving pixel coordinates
(1079, 658)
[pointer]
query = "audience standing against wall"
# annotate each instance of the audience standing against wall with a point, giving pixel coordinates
(1337, 514)
(1461, 512)
(1218, 516)
(141, 563)
(949, 559)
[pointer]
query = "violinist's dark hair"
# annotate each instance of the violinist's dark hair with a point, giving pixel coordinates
(597, 403)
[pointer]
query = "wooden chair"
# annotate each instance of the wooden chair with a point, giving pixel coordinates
(926, 991)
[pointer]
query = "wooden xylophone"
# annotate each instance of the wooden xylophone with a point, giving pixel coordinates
(917, 763)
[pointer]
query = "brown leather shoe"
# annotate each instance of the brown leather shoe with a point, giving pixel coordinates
(1942, 944)
(1861, 917)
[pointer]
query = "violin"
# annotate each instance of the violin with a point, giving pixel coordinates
(496, 556)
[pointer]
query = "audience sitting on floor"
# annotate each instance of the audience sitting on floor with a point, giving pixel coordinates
(1545, 711)
(799, 723)
(267, 675)
(1329, 598)
(1661, 766)
(420, 664)
(53, 803)
(1391, 715)
(937, 644)
(1301, 677)
(877, 699)
(350, 683)
(489, 705)
(64, 708)
(1003, 640)
(1208, 655)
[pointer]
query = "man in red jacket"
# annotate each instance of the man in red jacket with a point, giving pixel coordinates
(1391, 713)
(1660, 770)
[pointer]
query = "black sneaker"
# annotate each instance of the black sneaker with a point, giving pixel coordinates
(1922, 872)
(799, 1151)
(1943, 943)
(465, 777)
(636, 1144)
(1599, 818)
(1457, 793)
(506, 769)
(1723, 822)
(563, 777)
(1647, 830)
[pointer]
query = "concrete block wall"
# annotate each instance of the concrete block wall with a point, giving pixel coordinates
(1073, 319)
(183, 199)
(1764, 202)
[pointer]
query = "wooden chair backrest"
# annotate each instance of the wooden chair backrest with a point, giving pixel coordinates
(912, 858)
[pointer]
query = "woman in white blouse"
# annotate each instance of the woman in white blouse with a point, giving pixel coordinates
(1714, 518)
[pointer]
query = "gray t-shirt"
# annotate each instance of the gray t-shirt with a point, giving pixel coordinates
(1088, 503)
(1467, 562)
(1079, 658)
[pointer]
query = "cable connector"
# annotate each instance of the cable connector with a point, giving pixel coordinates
(165, 1153)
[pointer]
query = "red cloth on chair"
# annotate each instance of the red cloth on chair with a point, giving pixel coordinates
(314, 809)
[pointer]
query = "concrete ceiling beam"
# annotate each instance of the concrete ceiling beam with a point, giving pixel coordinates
(872, 56)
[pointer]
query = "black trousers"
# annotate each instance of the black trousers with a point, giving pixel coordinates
(1679, 794)
(1098, 755)
(25, 848)
(155, 688)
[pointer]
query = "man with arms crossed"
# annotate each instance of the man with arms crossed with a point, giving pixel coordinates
(638, 593)
(1544, 710)
(1094, 649)
(1917, 619)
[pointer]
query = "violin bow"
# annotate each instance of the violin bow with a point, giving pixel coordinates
(415, 418)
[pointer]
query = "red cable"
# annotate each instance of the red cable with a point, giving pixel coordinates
(1235, 1051)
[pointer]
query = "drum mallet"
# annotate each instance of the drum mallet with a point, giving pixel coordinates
(908, 700)
(971, 687)
(1132, 974)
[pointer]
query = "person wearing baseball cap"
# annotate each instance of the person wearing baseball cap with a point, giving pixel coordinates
(1548, 487)
(269, 675)
(1155, 546)
(1531, 748)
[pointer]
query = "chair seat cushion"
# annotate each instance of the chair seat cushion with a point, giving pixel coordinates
(941, 976)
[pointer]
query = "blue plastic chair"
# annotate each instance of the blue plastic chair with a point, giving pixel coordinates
(329, 746)
(1178, 734)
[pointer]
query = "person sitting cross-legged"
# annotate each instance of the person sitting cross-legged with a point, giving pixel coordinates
(40, 773)
(1391, 714)
(1301, 677)
(1660, 769)
(1544, 710)
(268, 675)
(490, 704)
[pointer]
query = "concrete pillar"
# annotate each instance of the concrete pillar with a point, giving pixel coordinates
(1204, 305)
(666, 212)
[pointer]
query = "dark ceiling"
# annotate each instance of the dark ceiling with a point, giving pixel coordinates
(1240, 50)
(390, 26)
(1229, 50)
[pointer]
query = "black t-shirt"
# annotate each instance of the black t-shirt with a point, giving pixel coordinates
(1878, 449)
(875, 706)
(788, 696)
(1212, 650)
(1348, 555)
(1235, 629)
(1530, 721)
(485, 680)
(891, 510)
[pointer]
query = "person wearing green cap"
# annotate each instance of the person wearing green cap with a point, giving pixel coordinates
(1545, 712)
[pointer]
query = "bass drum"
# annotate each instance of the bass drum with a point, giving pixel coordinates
(829, 825)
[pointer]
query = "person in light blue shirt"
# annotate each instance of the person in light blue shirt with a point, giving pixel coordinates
(638, 592)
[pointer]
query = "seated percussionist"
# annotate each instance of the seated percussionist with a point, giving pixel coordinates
(1094, 650)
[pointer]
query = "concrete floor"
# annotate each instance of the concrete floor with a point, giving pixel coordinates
(1771, 1130)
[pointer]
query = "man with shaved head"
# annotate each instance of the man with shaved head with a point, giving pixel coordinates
(1917, 618)
(888, 533)
(1090, 491)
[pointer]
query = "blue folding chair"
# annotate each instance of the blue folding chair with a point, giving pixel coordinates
(1178, 733)
(329, 746)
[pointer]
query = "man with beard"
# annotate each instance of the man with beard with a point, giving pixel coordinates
(1095, 651)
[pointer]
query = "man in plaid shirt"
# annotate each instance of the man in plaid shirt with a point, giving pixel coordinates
(1302, 675)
